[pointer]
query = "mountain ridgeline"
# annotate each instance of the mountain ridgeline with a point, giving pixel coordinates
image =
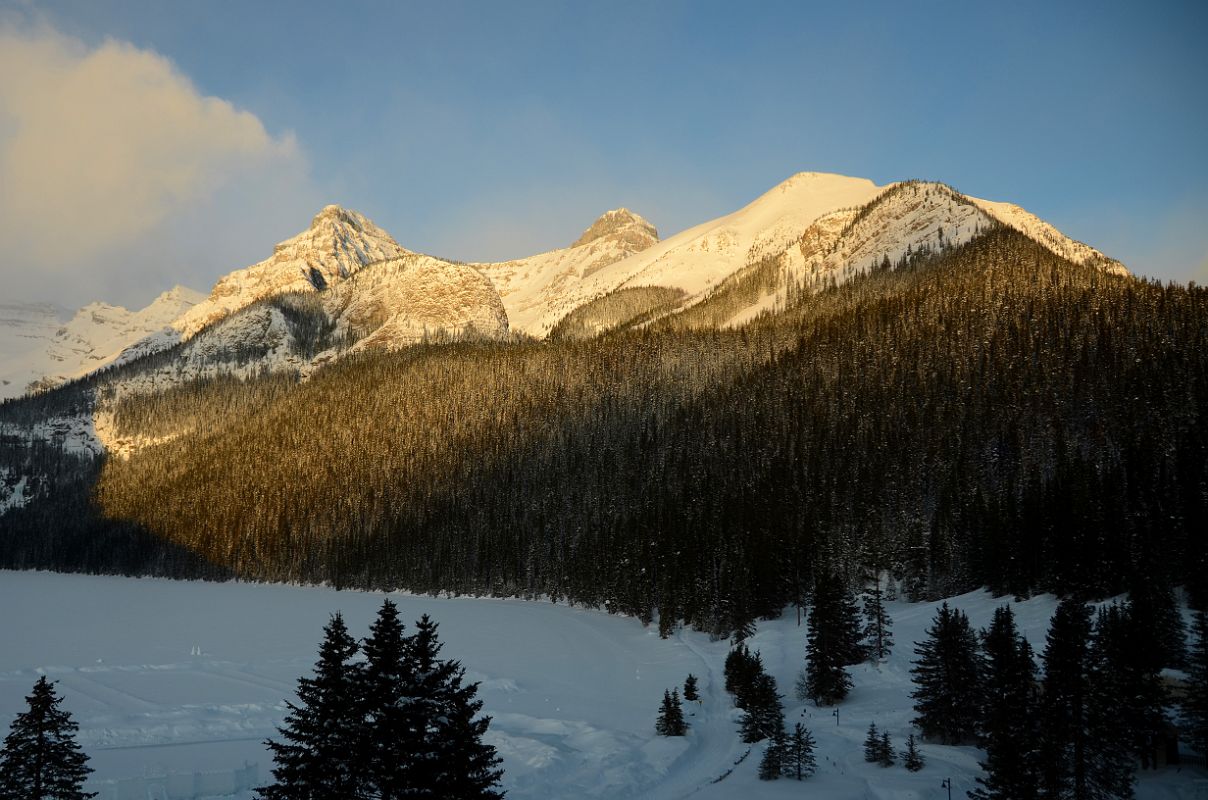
(970, 410)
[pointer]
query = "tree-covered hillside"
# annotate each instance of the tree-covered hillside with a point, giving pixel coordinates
(991, 414)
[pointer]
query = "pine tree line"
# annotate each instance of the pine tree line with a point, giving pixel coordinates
(1080, 730)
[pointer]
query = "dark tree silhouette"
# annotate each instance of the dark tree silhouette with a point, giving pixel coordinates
(320, 738)
(948, 680)
(671, 717)
(1009, 730)
(41, 759)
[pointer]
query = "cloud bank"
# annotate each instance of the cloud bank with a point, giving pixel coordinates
(105, 152)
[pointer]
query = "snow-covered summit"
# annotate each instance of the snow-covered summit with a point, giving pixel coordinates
(94, 337)
(817, 226)
(697, 259)
(621, 225)
(338, 243)
(531, 287)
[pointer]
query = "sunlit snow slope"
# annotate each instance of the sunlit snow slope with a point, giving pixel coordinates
(96, 336)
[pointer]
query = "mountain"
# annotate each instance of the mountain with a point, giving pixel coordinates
(839, 376)
(810, 230)
(337, 244)
(24, 329)
(258, 318)
(96, 336)
(539, 289)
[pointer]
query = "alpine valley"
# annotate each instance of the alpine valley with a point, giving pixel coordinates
(838, 377)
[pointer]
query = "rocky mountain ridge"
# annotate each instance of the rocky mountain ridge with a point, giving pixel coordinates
(811, 229)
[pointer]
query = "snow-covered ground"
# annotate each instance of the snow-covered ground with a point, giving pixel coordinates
(175, 677)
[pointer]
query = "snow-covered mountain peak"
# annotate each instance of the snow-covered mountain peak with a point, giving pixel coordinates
(623, 226)
(97, 335)
(338, 215)
(180, 298)
(338, 243)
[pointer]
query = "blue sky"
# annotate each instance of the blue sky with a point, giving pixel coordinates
(493, 130)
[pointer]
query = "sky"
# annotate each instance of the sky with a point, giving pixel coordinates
(148, 143)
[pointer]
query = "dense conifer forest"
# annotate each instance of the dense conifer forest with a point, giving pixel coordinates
(984, 415)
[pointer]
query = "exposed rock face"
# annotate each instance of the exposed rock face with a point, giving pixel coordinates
(623, 227)
(399, 302)
(337, 244)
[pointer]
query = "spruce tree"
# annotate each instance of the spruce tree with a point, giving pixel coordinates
(799, 760)
(1195, 700)
(671, 717)
(885, 751)
(947, 676)
(690, 692)
(764, 717)
(392, 740)
(1008, 725)
(741, 669)
(878, 626)
(1161, 633)
(319, 739)
(912, 759)
(872, 744)
(851, 630)
(1130, 666)
(1111, 768)
(771, 766)
(1083, 755)
(831, 644)
(456, 764)
(41, 759)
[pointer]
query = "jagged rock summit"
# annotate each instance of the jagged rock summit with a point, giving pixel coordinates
(811, 229)
(622, 226)
(338, 243)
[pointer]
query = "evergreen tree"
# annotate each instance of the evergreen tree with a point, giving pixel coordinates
(1160, 632)
(315, 758)
(1195, 701)
(1111, 766)
(1129, 664)
(671, 717)
(1082, 753)
(850, 629)
(1008, 725)
(764, 717)
(41, 759)
(799, 761)
(872, 744)
(878, 626)
(947, 676)
(912, 759)
(831, 644)
(741, 669)
(885, 751)
(771, 766)
(690, 693)
(456, 764)
(392, 739)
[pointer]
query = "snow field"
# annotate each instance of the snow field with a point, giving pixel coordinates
(180, 676)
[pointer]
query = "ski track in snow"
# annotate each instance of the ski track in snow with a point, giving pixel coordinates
(573, 693)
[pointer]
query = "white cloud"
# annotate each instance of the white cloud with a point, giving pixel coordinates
(103, 150)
